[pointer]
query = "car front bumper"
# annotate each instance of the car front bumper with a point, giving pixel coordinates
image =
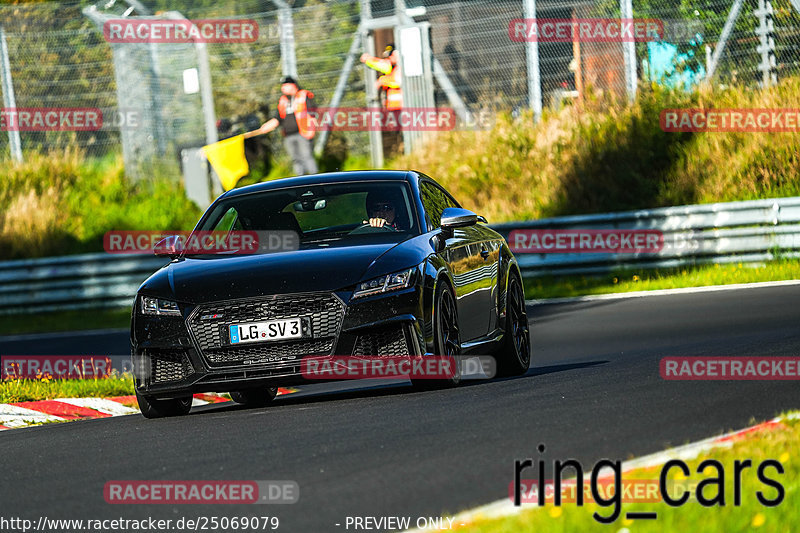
(176, 356)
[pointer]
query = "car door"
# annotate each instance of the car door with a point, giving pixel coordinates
(467, 254)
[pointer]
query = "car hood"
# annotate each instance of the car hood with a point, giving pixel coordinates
(201, 280)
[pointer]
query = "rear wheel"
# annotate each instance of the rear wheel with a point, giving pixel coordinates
(259, 397)
(153, 408)
(514, 357)
(446, 335)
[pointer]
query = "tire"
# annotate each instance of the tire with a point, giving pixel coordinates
(259, 397)
(446, 335)
(153, 408)
(514, 357)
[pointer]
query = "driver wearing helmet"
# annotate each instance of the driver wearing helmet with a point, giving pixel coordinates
(381, 211)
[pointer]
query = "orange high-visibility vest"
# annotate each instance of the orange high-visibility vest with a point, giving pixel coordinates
(300, 111)
(391, 83)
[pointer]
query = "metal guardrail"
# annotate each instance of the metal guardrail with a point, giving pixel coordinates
(746, 232)
(86, 281)
(734, 232)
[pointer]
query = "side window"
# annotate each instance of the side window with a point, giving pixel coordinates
(229, 221)
(434, 203)
(449, 201)
(434, 200)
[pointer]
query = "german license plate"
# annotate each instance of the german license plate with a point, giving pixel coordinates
(272, 330)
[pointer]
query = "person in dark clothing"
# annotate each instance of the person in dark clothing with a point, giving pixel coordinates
(298, 131)
(382, 211)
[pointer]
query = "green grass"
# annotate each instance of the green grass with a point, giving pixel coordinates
(648, 280)
(23, 390)
(63, 202)
(779, 444)
(65, 321)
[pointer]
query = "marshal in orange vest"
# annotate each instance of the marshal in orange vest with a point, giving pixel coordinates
(300, 111)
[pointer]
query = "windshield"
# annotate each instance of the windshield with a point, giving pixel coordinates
(327, 213)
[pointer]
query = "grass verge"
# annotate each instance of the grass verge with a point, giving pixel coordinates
(648, 280)
(778, 443)
(65, 321)
(24, 390)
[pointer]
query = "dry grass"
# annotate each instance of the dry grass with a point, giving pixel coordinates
(609, 157)
(62, 202)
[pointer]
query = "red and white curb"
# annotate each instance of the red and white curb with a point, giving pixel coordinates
(505, 507)
(16, 415)
(24, 414)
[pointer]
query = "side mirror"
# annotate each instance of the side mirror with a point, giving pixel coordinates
(171, 247)
(455, 217)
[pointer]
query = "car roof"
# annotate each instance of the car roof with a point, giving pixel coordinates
(327, 177)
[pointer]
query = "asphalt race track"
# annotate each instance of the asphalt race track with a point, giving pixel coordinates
(594, 392)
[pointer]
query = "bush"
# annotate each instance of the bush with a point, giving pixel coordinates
(63, 203)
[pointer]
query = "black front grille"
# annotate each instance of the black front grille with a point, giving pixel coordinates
(270, 353)
(209, 325)
(390, 340)
(169, 365)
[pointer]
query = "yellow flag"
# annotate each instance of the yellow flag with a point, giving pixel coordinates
(227, 158)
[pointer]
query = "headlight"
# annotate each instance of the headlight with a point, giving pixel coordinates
(390, 282)
(157, 306)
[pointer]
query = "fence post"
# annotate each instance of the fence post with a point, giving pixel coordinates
(286, 26)
(629, 52)
(766, 43)
(532, 62)
(9, 100)
(206, 95)
(375, 136)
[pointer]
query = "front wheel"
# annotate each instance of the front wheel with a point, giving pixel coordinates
(153, 408)
(514, 357)
(446, 335)
(259, 397)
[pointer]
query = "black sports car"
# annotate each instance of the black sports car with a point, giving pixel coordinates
(387, 263)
